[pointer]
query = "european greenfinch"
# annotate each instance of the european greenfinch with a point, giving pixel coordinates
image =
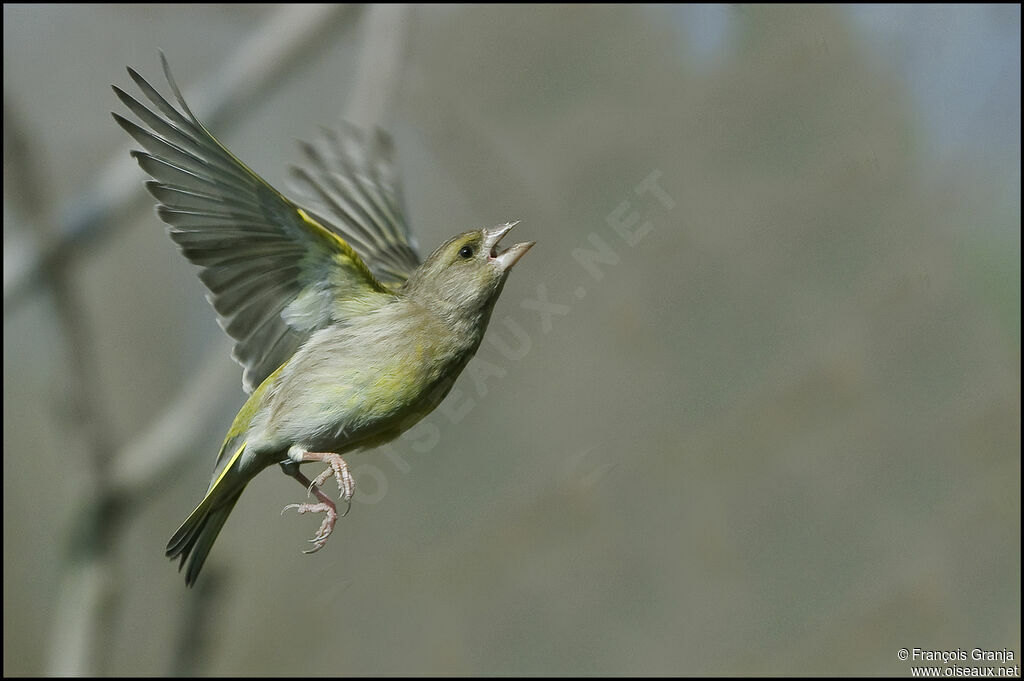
(347, 339)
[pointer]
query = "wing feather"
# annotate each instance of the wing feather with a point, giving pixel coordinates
(352, 181)
(275, 273)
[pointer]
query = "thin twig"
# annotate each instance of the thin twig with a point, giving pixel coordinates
(141, 466)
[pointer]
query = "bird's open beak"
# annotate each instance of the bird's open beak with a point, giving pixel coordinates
(510, 255)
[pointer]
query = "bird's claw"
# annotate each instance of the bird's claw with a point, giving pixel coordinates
(337, 467)
(326, 527)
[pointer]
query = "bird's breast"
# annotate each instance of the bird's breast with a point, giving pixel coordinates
(357, 389)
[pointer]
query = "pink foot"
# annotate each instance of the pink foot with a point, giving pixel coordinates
(326, 527)
(337, 467)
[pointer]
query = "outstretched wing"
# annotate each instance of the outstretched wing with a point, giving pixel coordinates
(353, 181)
(275, 273)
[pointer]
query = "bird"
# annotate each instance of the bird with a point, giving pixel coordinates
(345, 336)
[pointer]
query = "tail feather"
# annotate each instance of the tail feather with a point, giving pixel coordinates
(195, 537)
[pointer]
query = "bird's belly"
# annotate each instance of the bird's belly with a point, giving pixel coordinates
(330, 415)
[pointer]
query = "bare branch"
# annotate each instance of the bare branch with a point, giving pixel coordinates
(87, 601)
(141, 466)
(289, 35)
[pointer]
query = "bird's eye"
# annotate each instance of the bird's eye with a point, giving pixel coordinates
(466, 251)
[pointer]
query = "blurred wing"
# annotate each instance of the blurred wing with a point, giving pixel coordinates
(274, 273)
(352, 181)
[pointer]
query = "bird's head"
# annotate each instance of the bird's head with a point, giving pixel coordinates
(466, 273)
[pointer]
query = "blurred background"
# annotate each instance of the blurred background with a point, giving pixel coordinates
(751, 406)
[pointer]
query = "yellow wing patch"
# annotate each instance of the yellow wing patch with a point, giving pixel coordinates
(243, 419)
(346, 256)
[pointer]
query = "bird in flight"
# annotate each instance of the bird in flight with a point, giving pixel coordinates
(345, 336)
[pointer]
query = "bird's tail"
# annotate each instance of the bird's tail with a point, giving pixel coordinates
(195, 537)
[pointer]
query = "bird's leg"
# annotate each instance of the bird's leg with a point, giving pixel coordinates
(326, 506)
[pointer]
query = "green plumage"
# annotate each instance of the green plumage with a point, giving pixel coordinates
(346, 339)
